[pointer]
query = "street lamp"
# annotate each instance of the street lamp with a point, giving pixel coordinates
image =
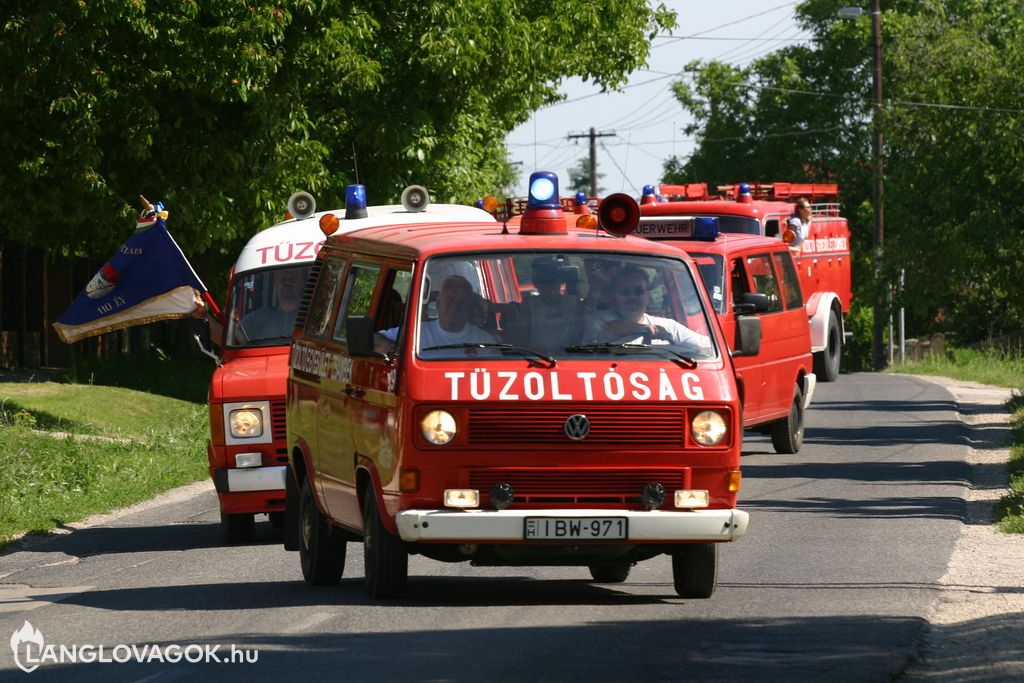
(877, 354)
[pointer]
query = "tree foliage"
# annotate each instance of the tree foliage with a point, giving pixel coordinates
(952, 120)
(223, 108)
(579, 177)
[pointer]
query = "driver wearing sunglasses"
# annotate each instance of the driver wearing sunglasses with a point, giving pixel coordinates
(627, 321)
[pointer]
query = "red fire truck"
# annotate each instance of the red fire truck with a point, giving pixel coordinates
(823, 260)
(511, 417)
(246, 449)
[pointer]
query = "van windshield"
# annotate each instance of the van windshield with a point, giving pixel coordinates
(562, 305)
(263, 305)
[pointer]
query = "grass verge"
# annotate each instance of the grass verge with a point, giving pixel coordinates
(998, 368)
(68, 451)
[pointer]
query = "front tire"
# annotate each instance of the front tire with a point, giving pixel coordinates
(695, 570)
(237, 528)
(321, 547)
(385, 559)
(788, 433)
(610, 572)
(826, 362)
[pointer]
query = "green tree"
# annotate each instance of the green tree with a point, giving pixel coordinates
(579, 178)
(223, 108)
(953, 72)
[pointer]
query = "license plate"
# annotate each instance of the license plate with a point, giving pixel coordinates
(575, 528)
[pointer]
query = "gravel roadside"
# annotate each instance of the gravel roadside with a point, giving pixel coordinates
(976, 628)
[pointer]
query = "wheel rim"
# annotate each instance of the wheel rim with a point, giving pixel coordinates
(798, 423)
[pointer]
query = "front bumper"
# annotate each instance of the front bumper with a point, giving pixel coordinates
(236, 479)
(507, 526)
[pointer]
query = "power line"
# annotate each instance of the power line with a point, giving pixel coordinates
(669, 39)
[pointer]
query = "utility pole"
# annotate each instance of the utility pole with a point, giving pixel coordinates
(593, 135)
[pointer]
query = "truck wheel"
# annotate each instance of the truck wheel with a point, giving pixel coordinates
(788, 433)
(237, 528)
(610, 572)
(826, 361)
(695, 570)
(321, 548)
(385, 559)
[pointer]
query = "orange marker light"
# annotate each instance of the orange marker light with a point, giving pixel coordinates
(329, 224)
(735, 477)
(409, 481)
(490, 203)
(587, 221)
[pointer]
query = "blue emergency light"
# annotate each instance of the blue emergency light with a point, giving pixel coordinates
(648, 190)
(581, 198)
(543, 191)
(705, 228)
(479, 203)
(355, 202)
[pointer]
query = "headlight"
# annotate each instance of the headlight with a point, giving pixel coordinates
(246, 423)
(438, 427)
(708, 428)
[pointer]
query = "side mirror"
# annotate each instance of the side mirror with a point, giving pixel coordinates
(359, 336)
(758, 299)
(748, 336)
(204, 340)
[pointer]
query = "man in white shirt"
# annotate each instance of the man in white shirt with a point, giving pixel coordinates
(455, 308)
(627, 322)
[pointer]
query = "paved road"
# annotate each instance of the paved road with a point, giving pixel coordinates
(846, 544)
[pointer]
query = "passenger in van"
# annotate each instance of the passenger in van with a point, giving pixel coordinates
(800, 221)
(272, 322)
(550, 320)
(627, 322)
(457, 305)
(599, 275)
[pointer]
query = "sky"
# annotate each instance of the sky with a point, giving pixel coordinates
(645, 117)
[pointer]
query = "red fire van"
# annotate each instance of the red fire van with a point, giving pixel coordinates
(246, 449)
(750, 274)
(822, 261)
(522, 411)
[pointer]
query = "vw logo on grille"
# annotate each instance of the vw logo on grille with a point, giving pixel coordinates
(577, 427)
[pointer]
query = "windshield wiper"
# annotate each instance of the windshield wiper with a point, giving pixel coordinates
(663, 349)
(501, 347)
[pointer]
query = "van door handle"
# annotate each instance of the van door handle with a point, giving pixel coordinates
(355, 393)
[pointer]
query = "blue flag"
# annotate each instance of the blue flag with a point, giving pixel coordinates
(148, 279)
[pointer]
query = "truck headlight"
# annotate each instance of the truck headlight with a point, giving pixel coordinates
(246, 423)
(708, 428)
(438, 427)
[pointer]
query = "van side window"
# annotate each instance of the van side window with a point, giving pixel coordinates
(790, 282)
(323, 298)
(764, 280)
(771, 227)
(738, 280)
(397, 284)
(362, 281)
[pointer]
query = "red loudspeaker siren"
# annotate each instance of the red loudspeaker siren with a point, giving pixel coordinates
(619, 214)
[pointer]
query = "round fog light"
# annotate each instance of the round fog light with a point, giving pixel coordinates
(653, 496)
(502, 495)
